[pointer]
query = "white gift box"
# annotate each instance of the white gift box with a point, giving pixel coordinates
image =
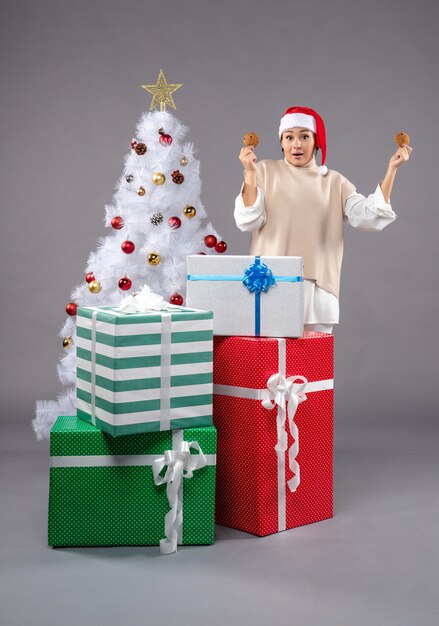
(255, 296)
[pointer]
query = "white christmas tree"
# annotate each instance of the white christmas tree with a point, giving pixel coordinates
(155, 221)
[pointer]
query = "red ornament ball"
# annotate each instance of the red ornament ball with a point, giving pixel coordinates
(165, 139)
(210, 241)
(174, 222)
(201, 253)
(90, 277)
(125, 283)
(71, 308)
(117, 222)
(128, 247)
(176, 299)
(221, 247)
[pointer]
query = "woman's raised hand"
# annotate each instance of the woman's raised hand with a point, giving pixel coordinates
(248, 158)
(401, 156)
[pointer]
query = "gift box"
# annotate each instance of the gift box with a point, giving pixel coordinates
(144, 372)
(273, 410)
(133, 490)
(259, 296)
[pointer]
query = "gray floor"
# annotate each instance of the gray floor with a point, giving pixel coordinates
(375, 563)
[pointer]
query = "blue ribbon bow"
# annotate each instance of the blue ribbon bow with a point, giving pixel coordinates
(258, 277)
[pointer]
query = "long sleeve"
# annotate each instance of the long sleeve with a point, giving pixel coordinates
(368, 214)
(250, 218)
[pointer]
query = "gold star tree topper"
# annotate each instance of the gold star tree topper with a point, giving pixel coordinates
(162, 92)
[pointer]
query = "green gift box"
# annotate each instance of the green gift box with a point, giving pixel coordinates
(144, 372)
(141, 489)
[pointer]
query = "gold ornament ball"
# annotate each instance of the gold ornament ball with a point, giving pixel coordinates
(184, 161)
(189, 211)
(153, 258)
(95, 286)
(158, 178)
(141, 191)
(67, 342)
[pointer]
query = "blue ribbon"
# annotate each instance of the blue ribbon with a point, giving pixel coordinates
(231, 277)
(257, 277)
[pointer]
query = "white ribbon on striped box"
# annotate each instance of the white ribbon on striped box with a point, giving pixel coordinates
(165, 370)
(286, 394)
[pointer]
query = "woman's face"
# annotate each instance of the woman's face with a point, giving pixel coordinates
(298, 145)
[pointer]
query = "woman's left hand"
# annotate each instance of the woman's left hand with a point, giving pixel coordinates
(401, 156)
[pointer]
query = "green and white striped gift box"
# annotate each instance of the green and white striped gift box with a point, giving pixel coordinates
(144, 372)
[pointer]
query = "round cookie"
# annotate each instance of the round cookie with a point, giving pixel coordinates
(401, 139)
(251, 139)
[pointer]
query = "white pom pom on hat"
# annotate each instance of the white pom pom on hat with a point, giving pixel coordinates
(310, 119)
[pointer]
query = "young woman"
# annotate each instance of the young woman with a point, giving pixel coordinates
(293, 207)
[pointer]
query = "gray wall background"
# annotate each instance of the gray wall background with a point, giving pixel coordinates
(70, 103)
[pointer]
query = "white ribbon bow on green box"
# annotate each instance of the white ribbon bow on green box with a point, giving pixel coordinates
(180, 463)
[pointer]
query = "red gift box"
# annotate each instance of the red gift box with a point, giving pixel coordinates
(273, 410)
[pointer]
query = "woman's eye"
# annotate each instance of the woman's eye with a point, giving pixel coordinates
(305, 136)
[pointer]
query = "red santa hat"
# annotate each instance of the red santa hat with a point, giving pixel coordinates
(310, 119)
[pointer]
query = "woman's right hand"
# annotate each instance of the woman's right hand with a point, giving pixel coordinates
(248, 158)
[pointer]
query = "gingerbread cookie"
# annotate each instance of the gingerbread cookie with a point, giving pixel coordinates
(251, 139)
(401, 139)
